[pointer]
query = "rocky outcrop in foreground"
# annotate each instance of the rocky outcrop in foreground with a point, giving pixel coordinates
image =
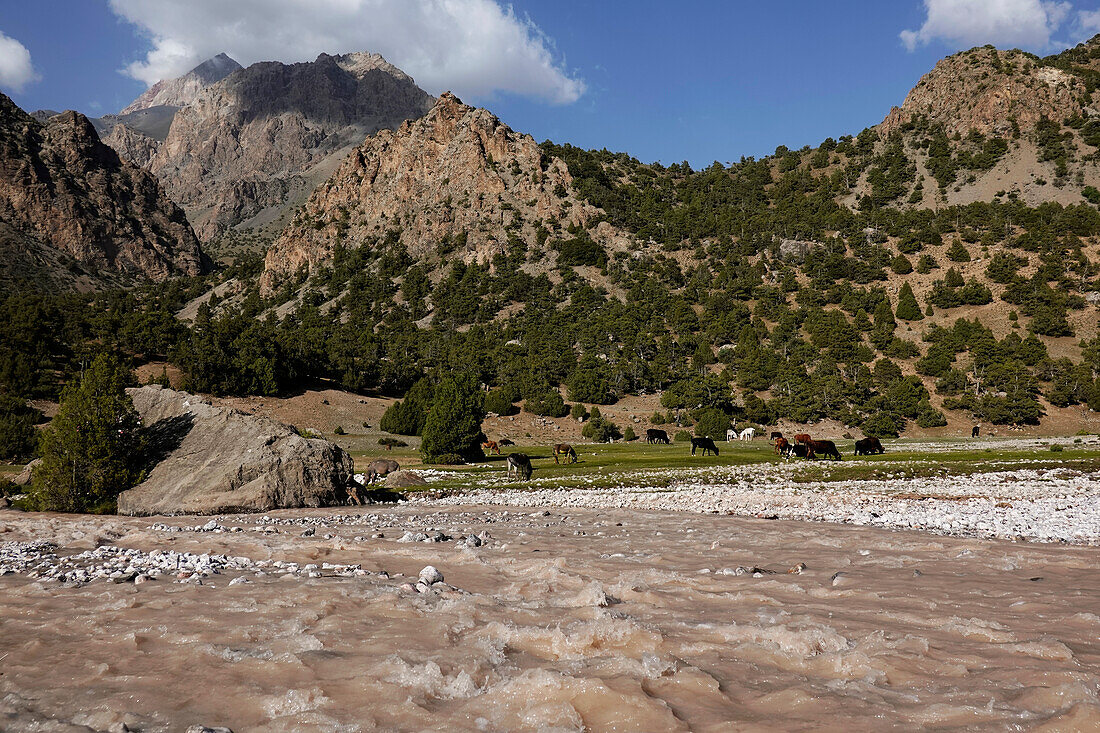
(214, 460)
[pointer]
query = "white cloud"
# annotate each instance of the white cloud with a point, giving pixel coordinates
(1006, 23)
(1089, 20)
(473, 47)
(16, 69)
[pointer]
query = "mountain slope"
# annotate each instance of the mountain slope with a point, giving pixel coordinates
(244, 149)
(457, 180)
(61, 188)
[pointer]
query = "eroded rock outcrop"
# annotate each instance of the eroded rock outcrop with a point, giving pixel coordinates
(183, 90)
(212, 459)
(61, 187)
(456, 175)
(985, 89)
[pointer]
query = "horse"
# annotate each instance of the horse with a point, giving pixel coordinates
(868, 446)
(491, 447)
(705, 443)
(799, 450)
(781, 444)
(974, 433)
(803, 438)
(730, 434)
(566, 450)
(747, 434)
(519, 464)
(379, 468)
(826, 448)
(653, 435)
(776, 435)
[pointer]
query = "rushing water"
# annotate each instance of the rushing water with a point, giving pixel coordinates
(579, 620)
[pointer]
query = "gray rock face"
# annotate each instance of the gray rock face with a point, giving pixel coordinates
(795, 250)
(403, 479)
(212, 460)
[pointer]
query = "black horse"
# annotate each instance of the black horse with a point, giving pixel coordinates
(520, 464)
(654, 435)
(705, 443)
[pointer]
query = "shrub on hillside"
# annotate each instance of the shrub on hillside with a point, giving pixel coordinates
(546, 404)
(452, 429)
(499, 401)
(407, 417)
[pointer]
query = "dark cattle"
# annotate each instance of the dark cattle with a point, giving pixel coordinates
(803, 438)
(781, 444)
(868, 446)
(519, 464)
(974, 433)
(705, 443)
(798, 450)
(654, 435)
(825, 448)
(776, 435)
(505, 441)
(566, 450)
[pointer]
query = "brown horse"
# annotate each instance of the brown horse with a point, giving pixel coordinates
(781, 444)
(803, 438)
(825, 449)
(490, 447)
(566, 450)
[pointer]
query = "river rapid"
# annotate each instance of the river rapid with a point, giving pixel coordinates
(546, 620)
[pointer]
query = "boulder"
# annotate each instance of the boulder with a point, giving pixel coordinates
(211, 460)
(23, 478)
(402, 479)
(795, 250)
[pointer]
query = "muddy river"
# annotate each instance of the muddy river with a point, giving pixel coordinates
(545, 620)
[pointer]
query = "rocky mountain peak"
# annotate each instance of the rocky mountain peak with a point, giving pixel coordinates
(61, 189)
(458, 176)
(182, 90)
(986, 89)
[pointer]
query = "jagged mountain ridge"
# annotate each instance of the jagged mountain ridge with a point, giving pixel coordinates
(247, 147)
(62, 189)
(458, 173)
(183, 90)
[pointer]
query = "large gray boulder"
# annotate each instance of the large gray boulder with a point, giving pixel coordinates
(211, 460)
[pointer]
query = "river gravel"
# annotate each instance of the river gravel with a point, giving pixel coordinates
(1039, 505)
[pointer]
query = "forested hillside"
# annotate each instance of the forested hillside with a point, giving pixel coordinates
(876, 279)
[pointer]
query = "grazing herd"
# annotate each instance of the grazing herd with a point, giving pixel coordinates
(803, 446)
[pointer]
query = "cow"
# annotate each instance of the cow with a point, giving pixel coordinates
(653, 435)
(379, 468)
(519, 464)
(781, 445)
(565, 450)
(826, 448)
(803, 438)
(776, 435)
(705, 443)
(799, 450)
(505, 441)
(730, 434)
(491, 447)
(747, 434)
(974, 433)
(867, 447)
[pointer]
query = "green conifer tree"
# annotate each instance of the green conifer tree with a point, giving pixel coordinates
(908, 309)
(94, 447)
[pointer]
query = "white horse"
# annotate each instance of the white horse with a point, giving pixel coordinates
(730, 435)
(747, 434)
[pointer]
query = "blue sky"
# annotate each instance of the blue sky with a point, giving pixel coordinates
(693, 80)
